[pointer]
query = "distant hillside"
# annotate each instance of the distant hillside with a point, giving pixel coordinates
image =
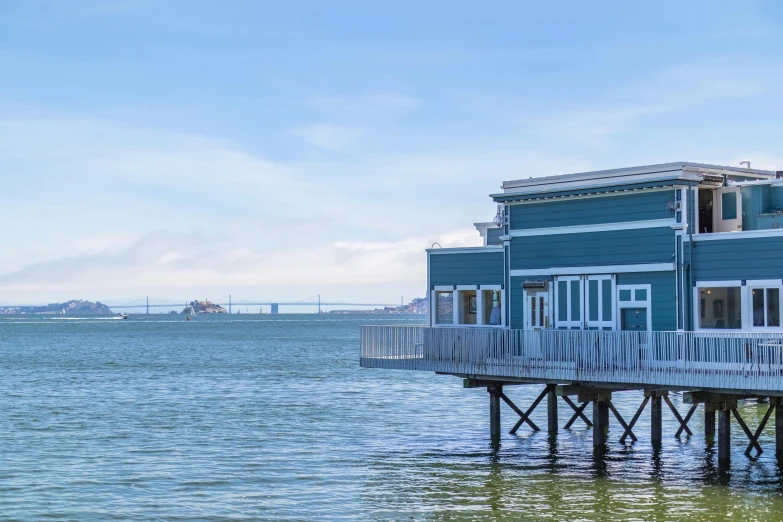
(72, 307)
(417, 306)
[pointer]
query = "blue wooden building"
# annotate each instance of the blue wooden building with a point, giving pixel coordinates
(678, 246)
(658, 278)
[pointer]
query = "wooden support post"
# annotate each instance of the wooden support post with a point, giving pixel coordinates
(600, 426)
(656, 420)
(495, 391)
(683, 423)
(747, 432)
(524, 417)
(621, 421)
(709, 422)
(635, 418)
(754, 440)
(578, 413)
(724, 437)
(551, 410)
(605, 421)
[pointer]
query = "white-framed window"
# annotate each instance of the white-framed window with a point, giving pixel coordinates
(468, 305)
(634, 307)
(763, 304)
(600, 302)
(443, 305)
(719, 305)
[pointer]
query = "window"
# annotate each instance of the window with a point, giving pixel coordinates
(444, 307)
(490, 300)
(468, 307)
(721, 307)
(765, 303)
(728, 205)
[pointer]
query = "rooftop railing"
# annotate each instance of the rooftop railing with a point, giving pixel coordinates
(688, 360)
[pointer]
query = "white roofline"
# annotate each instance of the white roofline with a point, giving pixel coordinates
(616, 175)
(466, 250)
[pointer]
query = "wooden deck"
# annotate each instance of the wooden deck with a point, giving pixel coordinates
(737, 362)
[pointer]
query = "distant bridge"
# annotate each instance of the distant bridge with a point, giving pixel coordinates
(250, 303)
(315, 300)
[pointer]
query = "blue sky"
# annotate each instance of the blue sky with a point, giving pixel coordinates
(276, 150)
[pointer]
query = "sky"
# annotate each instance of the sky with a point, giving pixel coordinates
(278, 150)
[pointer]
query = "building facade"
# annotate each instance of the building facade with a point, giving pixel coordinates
(671, 247)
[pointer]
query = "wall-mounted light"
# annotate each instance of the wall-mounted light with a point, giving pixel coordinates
(498, 219)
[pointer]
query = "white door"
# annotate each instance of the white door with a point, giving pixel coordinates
(599, 297)
(536, 309)
(569, 304)
(727, 210)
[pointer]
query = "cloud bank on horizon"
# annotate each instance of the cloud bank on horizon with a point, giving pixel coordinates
(277, 151)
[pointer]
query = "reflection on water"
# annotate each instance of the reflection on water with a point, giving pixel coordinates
(271, 418)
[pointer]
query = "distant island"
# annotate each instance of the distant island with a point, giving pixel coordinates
(72, 307)
(417, 306)
(203, 307)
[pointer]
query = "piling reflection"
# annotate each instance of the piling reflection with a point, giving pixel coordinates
(565, 476)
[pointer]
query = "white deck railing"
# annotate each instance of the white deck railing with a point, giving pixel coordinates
(737, 361)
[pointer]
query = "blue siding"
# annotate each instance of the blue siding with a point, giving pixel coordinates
(664, 296)
(493, 236)
(517, 297)
(475, 268)
(517, 302)
(592, 211)
(648, 245)
(751, 258)
(755, 201)
(776, 199)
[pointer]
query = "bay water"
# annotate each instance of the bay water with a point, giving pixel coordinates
(261, 417)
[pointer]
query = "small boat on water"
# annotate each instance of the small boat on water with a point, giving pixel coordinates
(122, 316)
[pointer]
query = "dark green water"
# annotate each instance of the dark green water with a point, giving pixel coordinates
(271, 418)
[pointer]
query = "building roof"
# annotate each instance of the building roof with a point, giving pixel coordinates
(634, 177)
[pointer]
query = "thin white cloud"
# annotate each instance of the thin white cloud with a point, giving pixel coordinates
(370, 104)
(166, 214)
(328, 136)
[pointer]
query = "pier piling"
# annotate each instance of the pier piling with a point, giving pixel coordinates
(494, 411)
(552, 411)
(709, 422)
(600, 422)
(656, 420)
(724, 436)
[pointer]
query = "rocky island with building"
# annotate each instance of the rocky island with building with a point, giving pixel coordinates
(203, 307)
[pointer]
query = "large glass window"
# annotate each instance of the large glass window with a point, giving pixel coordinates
(444, 307)
(468, 307)
(766, 307)
(729, 205)
(491, 307)
(720, 307)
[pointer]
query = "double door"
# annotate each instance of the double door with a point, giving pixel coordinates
(585, 302)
